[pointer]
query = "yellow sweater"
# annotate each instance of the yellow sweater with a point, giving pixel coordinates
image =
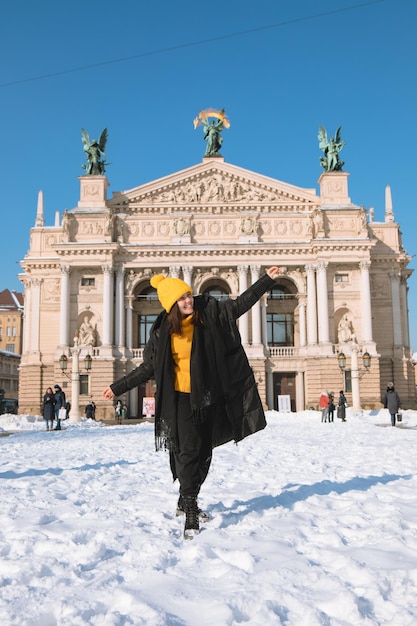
(181, 352)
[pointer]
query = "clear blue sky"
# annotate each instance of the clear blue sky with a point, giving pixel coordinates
(145, 69)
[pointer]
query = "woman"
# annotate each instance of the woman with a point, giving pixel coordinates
(341, 406)
(118, 412)
(48, 408)
(392, 402)
(206, 391)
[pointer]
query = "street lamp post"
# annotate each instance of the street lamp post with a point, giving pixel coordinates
(355, 371)
(75, 378)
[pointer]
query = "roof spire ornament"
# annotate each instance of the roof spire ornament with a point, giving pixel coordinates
(212, 130)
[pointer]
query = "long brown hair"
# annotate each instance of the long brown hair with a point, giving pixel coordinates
(175, 318)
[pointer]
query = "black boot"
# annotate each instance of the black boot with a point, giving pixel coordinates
(204, 517)
(192, 525)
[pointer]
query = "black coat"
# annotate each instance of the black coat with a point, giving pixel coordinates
(240, 412)
(48, 408)
(392, 401)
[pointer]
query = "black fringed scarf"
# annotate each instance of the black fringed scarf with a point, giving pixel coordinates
(209, 379)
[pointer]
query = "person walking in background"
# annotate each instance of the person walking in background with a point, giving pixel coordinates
(341, 406)
(118, 410)
(60, 403)
(124, 411)
(90, 410)
(331, 406)
(206, 390)
(324, 405)
(392, 402)
(48, 408)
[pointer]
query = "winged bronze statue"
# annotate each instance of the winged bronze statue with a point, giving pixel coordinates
(331, 161)
(95, 151)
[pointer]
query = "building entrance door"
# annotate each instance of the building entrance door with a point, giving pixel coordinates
(284, 385)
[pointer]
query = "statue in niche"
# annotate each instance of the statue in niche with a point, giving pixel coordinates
(318, 223)
(86, 333)
(212, 129)
(331, 148)
(345, 329)
(95, 153)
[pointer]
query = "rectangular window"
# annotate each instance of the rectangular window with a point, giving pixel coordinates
(280, 329)
(9, 331)
(84, 384)
(88, 282)
(348, 381)
(342, 278)
(145, 325)
(13, 331)
(10, 347)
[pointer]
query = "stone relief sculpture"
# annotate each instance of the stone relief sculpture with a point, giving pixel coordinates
(345, 329)
(181, 227)
(86, 333)
(212, 129)
(67, 224)
(247, 226)
(94, 151)
(331, 148)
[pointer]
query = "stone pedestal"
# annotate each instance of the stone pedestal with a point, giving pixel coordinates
(93, 192)
(334, 188)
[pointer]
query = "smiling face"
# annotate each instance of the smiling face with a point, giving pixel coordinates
(186, 304)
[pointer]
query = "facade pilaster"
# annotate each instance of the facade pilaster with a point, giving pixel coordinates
(256, 309)
(27, 315)
(404, 311)
(366, 301)
(36, 313)
(108, 308)
(299, 391)
(243, 320)
(322, 302)
(396, 309)
(311, 305)
(64, 307)
(120, 308)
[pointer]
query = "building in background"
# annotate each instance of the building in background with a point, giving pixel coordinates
(343, 290)
(11, 326)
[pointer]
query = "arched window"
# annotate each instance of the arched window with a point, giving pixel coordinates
(216, 291)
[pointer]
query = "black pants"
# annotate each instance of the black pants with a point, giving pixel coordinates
(190, 463)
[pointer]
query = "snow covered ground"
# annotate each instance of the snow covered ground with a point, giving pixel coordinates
(313, 524)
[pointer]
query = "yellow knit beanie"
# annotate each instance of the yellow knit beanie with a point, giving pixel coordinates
(169, 290)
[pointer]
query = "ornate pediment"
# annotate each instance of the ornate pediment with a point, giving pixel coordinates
(214, 184)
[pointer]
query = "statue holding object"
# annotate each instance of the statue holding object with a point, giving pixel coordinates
(95, 153)
(331, 161)
(212, 130)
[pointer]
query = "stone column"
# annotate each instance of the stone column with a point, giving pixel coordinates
(256, 310)
(366, 301)
(64, 306)
(322, 301)
(107, 305)
(311, 305)
(120, 308)
(187, 272)
(396, 309)
(174, 271)
(243, 320)
(270, 390)
(302, 320)
(299, 392)
(129, 322)
(264, 305)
